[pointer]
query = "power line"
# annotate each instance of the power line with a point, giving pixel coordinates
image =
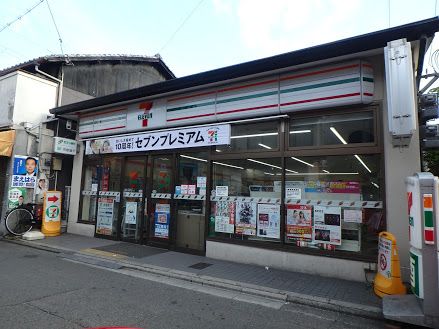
(181, 25)
(57, 31)
(21, 16)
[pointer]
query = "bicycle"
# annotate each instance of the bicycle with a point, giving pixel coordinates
(23, 218)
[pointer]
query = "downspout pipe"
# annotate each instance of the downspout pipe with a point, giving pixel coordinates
(422, 50)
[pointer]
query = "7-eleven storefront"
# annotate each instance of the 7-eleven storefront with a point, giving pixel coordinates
(286, 168)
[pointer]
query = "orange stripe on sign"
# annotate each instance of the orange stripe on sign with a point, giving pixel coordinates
(428, 201)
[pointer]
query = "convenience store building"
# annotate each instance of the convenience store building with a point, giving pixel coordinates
(295, 161)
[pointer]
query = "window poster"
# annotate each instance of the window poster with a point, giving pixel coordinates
(268, 220)
(161, 220)
(104, 221)
(225, 217)
(25, 171)
(246, 218)
(131, 213)
(327, 225)
(299, 222)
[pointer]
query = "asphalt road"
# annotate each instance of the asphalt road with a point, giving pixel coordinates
(40, 289)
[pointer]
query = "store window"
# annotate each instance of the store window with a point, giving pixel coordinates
(340, 129)
(89, 190)
(246, 199)
(261, 136)
(334, 202)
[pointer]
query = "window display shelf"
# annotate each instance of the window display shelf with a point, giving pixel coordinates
(337, 203)
(189, 197)
(161, 196)
(245, 199)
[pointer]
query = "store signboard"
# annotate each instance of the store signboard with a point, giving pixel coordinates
(163, 140)
(52, 206)
(64, 146)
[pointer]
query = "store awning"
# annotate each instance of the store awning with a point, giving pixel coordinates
(7, 139)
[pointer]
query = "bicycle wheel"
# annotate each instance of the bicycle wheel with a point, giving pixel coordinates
(18, 221)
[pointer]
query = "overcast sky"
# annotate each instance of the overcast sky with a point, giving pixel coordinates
(216, 33)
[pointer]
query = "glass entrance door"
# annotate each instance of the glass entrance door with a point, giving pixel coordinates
(131, 219)
(160, 203)
(190, 195)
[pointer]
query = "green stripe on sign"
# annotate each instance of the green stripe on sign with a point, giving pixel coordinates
(241, 98)
(428, 218)
(192, 106)
(270, 93)
(320, 85)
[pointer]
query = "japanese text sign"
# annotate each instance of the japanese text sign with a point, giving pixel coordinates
(163, 140)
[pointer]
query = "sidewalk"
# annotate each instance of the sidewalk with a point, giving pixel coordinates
(335, 294)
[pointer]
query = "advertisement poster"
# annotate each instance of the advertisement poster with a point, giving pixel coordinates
(332, 187)
(25, 171)
(269, 220)
(246, 218)
(104, 220)
(327, 225)
(191, 189)
(161, 220)
(222, 191)
(352, 215)
(225, 217)
(131, 213)
(16, 197)
(162, 140)
(385, 257)
(299, 222)
(201, 181)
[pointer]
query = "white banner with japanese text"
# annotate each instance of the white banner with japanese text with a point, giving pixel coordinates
(162, 140)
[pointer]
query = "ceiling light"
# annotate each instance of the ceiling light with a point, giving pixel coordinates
(326, 171)
(269, 173)
(307, 163)
(265, 163)
(338, 135)
(375, 184)
(264, 146)
(218, 151)
(331, 173)
(362, 162)
(300, 131)
(192, 158)
(293, 171)
(254, 135)
(226, 165)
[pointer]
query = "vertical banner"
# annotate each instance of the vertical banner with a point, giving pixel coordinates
(299, 222)
(246, 218)
(268, 221)
(25, 171)
(161, 220)
(327, 225)
(225, 217)
(104, 220)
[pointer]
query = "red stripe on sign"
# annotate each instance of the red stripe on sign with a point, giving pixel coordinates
(429, 236)
(249, 109)
(367, 65)
(99, 113)
(291, 77)
(367, 94)
(266, 82)
(191, 117)
(105, 129)
(320, 99)
(247, 86)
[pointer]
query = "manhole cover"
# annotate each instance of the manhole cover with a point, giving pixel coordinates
(200, 266)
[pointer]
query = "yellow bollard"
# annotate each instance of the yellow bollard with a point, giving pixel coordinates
(51, 225)
(388, 279)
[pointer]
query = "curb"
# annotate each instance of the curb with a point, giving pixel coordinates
(266, 292)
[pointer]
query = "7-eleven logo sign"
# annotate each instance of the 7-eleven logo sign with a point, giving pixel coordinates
(146, 106)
